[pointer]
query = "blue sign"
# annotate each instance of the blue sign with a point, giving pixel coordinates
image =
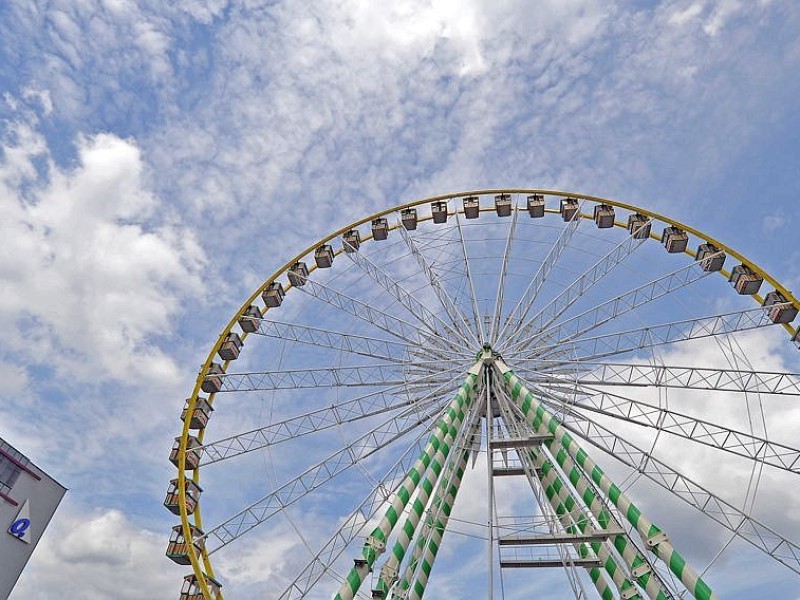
(21, 526)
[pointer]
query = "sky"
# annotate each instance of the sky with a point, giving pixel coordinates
(158, 161)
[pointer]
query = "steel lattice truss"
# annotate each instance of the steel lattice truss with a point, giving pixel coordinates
(468, 343)
(387, 350)
(623, 342)
(684, 425)
(735, 520)
(317, 476)
(362, 407)
(723, 380)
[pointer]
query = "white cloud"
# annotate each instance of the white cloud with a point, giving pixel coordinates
(204, 11)
(683, 15)
(772, 223)
(262, 561)
(721, 16)
(373, 106)
(92, 272)
(411, 30)
(97, 555)
(42, 96)
(95, 273)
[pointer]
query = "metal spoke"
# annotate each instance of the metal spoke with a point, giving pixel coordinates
(350, 411)
(457, 317)
(501, 284)
(730, 517)
(687, 378)
(388, 350)
(611, 309)
(315, 477)
(424, 315)
(686, 426)
(526, 301)
(354, 525)
(575, 290)
(378, 318)
(645, 338)
(355, 376)
(471, 283)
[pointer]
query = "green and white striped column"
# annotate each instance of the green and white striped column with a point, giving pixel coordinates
(421, 563)
(566, 511)
(565, 505)
(596, 504)
(390, 569)
(652, 535)
(376, 542)
(419, 567)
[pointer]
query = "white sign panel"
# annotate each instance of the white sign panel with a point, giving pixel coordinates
(21, 526)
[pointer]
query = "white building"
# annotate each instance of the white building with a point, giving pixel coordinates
(28, 499)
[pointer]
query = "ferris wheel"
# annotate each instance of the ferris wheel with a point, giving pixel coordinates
(493, 393)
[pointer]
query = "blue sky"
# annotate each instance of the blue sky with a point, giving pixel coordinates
(157, 163)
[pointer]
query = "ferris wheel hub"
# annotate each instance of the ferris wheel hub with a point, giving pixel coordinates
(487, 354)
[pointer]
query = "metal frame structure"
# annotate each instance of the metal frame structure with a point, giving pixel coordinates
(535, 413)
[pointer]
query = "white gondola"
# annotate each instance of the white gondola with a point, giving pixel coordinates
(711, 258)
(409, 218)
(472, 207)
(604, 216)
(568, 208)
(200, 414)
(231, 347)
(780, 314)
(274, 294)
(323, 256)
(193, 492)
(639, 226)
(191, 589)
(439, 211)
(502, 204)
(298, 274)
(380, 228)
(536, 206)
(745, 281)
(192, 458)
(352, 240)
(675, 240)
(212, 383)
(178, 548)
(250, 318)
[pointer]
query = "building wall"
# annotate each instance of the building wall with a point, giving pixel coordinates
(43, 497)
